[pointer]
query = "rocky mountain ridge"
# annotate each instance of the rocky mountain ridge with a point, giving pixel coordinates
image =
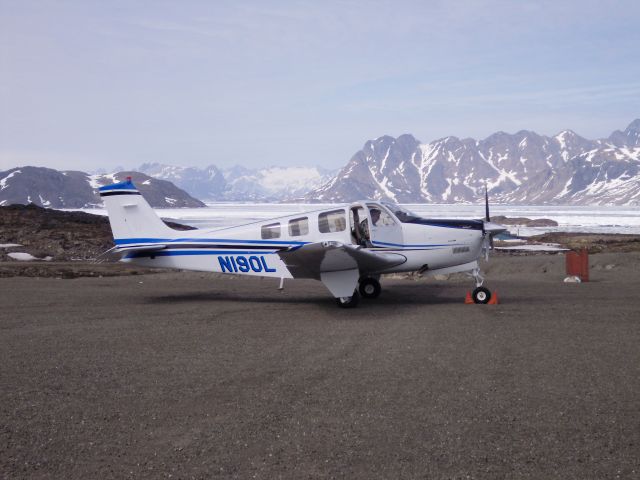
(520, 168)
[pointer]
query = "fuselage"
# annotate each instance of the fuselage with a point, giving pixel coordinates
(252, 249)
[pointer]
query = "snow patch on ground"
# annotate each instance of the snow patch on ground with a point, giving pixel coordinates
(9, 245)
(25, 257)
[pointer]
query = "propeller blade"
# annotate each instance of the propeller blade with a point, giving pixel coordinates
(490, 229)
(486, 204)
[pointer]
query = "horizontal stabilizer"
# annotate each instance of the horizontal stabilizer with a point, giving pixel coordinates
(141, 248)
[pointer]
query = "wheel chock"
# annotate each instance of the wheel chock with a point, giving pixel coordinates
(494, 299)
(468, 299)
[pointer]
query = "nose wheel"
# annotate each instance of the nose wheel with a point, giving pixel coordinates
(369, 287)
(481, 295)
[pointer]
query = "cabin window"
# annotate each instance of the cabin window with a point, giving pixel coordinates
(271, 231)
(333, 221)
(298, 226)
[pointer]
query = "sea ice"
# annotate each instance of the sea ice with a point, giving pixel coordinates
(545, 247)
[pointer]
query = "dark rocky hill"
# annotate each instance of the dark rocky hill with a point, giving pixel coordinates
(47, 187)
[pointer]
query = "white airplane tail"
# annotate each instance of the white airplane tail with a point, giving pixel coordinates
(131, 217)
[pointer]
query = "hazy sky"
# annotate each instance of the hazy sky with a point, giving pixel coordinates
(87, 84)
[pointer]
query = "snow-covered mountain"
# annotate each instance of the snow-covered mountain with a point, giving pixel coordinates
(519, 168)
(47, 187)
(240, 183)
(203, 183)
(524, 168)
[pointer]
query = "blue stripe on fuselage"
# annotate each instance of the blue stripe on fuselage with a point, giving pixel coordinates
(146, 241)
(176, 253)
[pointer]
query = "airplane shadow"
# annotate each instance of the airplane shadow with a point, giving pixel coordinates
(227, 297)
(390, 298)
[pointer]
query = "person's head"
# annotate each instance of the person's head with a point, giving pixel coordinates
(375, 215)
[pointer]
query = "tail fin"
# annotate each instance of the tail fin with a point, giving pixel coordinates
(130, 215)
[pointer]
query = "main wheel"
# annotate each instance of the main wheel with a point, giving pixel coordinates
(370, 288)
(349, 302)
(481, 295)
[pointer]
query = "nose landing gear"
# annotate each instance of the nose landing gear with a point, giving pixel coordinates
(480, 294)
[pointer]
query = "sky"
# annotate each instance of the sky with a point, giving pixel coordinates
(92, 85)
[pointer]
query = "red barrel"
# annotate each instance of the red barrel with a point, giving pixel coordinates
(578, 264)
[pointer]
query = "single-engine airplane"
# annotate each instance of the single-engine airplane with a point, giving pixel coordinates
(347, 247)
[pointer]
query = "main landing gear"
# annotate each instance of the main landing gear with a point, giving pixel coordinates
(368, 287)
(480, 294)
(349, 302)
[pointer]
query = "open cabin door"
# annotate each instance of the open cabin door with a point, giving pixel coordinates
(372, 225)
(386, 231)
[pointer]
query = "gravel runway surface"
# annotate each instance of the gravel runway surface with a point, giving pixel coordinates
(187, 375)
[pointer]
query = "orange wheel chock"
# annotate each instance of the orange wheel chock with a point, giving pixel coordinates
(494, 299)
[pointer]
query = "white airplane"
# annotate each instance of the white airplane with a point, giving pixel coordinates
(334, 245)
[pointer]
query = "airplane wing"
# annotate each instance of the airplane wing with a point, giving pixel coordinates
(314, 259)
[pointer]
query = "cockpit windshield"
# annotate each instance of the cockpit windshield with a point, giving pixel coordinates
(403, 214)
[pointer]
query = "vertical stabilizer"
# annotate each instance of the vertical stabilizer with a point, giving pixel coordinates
(130, 215)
